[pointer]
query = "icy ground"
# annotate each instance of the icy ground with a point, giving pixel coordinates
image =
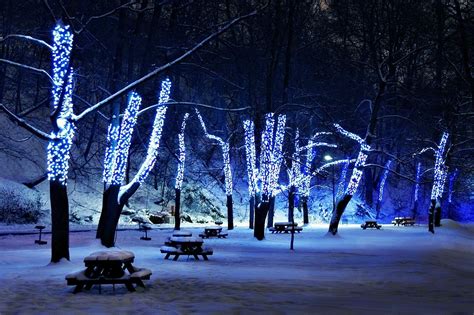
(395, 270)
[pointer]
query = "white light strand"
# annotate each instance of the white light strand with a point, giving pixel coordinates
(129, 121)
(58, 150)
(439, 169)
(62, 47)
(342, 179)
(306, 174)
(277, 152)
(225, 155)
(442, 183)
(110, 152)
(384, 179)
(250, 155)
(155, 137)
(266, 155)
(295, 170)
(452, 180)
(182, 154)
(356, 174)
(417, 183)
(353, 136)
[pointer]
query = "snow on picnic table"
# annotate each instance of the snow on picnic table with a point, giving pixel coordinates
(389, 271)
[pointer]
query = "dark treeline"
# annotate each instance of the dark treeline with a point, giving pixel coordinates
(317, 61)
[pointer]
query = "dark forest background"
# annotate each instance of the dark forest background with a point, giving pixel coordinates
(319, 62)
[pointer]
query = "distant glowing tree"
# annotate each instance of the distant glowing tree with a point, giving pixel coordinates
(117, 194)
(382, 182)
(252, 171)
(417, 190)
(342, 179)
(440, 173)
(265, 178)
(452, 180)
(180, 173)
(227, 170)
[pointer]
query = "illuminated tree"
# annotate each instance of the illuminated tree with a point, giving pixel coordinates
(252, 171)
(117, 194)
(382, 181)
(452, 179)
(58, 151)
(440, 174)
(416, 190)
(227, 170)
(354, 181)
(265, 178)
(180, 174)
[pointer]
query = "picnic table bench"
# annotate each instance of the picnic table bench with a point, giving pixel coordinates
(405, 221)
(370, 224)
(213, 231)
(186, 245)
(285, 227)
(144, 228)
(109, 267)
(39, 241)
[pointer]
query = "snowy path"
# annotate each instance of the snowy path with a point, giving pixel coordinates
(394, 270)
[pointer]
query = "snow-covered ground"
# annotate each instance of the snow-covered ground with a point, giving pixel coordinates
(395, 270)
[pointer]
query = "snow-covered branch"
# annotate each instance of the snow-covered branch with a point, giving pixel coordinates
(22, 123)
(20, 65)
(28, 38)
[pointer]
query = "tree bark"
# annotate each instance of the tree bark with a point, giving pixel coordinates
(415, 209)
(103, 213)
(437, 214)
(291, 203)
(177, 206)
(337, 214)
(260, 215)
(59, 221)
(271, 211)
(304, 201)
(252, 211)
(431, 216)
(230, 213)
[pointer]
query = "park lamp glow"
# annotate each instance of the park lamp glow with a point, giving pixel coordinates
(182, 154)
(125, 138)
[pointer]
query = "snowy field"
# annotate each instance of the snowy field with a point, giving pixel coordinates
(395, 270)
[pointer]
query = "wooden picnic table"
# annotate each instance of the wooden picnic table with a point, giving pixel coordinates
(285, 227)
(109, 267)
(370, 224)
(182, 233)
(213, 231)
(403, 221)
(185, 245)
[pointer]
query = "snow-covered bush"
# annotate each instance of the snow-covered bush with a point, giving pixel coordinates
(18, 204)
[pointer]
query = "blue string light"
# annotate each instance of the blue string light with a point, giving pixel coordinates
(439, 170)
(342, 178)
(384, 179)
(125, 139)
(252, 171)
(182, 154)
(58, 150)
(417, 184)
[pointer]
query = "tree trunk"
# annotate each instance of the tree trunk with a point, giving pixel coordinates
(431, 216)
(336, 216)
(415, 209)
(252, 211)
(177, 206)
(260, 214)
(59, 221)
(437, 217)
(230, 213)
(304, 201)
(377, 209)
(113, 210)
(369, 187)
(291, 203)
(103, 213)
(271, 211)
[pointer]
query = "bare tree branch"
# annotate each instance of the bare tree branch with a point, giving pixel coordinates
(27, 37)
(22, 123)
(16, 64)
(162, 68)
